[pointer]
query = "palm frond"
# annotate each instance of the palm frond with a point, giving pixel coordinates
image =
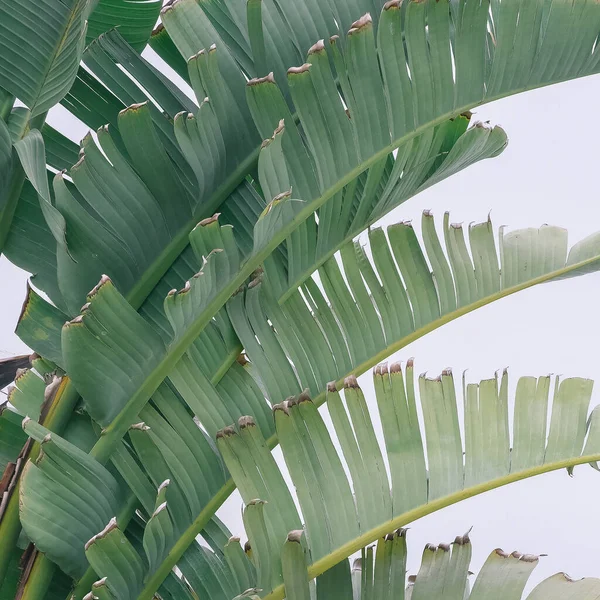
(428, 471)
(380, 574)
(41, 73)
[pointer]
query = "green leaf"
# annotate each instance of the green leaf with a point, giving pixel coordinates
(65, 476)
(135, 20)
(136, 347)
(444, 573)
(163, 45)
(31, 245)
(42, 44)
(12, 438)
(127, 374)
(40, 326)
(338, 176)
(111, 553)
(32, 154)
(294, 568)
(61, 152)
(6, 162)
(339, 522)
(29, 393)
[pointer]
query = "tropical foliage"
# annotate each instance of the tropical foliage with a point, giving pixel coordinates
(197, 292)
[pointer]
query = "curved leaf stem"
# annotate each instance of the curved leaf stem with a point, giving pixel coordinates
(10, 527)
(200, 522)
(332, 559)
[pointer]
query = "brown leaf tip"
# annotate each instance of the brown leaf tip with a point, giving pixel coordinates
(299, 70)
(501, 553)
(247, 547)
(141, 426)
(462, 540)
(282, 406)
(159, 509)
(530, 558)
(19, 373)
(282, 196)
(256, 281)
(103, 280)
(304, 396)
(226, 432)
(396, 367)
(382, 369)
(133, 107)
(246, 421)
(257, 502)
(295, 535)
(209, 220)
(392, 4)
(233, 540)
(351, 382)
(331, 387)
(364, 21)
(318, 47)
(112, 524)
(291, 401)
(333, 39)
(258, 80)
(51, 388)
(99, 583)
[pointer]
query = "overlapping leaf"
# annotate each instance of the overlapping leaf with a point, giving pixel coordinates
(41, 46)
(134, 18)
(381, 571)
(473, 67)
(343, 513)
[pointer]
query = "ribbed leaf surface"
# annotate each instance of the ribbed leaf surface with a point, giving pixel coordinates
(41, 43)
(444, 573)
(134, 18)
(343, 513)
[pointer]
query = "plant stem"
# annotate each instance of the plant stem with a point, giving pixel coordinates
(177, 245)
(188, 536)
(330, 560)
(184, 541)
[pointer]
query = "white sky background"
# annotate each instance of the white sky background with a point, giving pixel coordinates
(548, 174)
